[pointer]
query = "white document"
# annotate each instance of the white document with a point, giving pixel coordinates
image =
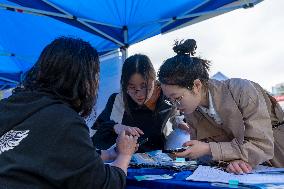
(266, 169)
(210, 174)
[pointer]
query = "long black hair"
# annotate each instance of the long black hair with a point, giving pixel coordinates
(140, 64)
(183, 68)
(69, 69)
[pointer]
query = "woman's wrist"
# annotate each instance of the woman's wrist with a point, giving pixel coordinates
(112, 154)
(208, 149)
(122, 161)
(115, 128)
(104, 155)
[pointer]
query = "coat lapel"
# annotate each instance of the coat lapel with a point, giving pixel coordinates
(227, 109)
(204, 126)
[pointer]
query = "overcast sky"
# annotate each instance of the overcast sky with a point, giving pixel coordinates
(246, 43)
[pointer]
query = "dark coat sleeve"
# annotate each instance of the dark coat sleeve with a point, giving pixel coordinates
(105, 136)
(74, 163)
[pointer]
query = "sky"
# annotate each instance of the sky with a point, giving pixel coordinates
(245, 43)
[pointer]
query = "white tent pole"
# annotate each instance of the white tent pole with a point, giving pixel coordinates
(83, 19)
(85, 24)
(194, 8)
(21, 78)
(220, 10)
(100, 23)
(47, 13)
(223, 10)
(205, 13)
(33, 11)
(124, 53)
(173, 20)
(124, 50)
(56, 7)
(246, 2)
(226, 8)
(8, 80)
(1, 88)
(109, 53)
(100, 32)
(39, 12)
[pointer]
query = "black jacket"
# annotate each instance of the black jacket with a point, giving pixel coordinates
(45, 144)
(150, 122)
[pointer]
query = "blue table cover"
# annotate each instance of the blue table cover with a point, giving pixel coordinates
(178, 181)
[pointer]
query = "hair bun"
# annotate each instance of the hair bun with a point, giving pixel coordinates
(185, 47)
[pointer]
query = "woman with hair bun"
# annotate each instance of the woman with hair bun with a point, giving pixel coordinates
(235, 120)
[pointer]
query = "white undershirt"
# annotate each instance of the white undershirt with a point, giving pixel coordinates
(211, 111)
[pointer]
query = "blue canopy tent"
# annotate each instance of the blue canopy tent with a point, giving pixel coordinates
(28, 25)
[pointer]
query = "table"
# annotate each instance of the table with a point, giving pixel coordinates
(179, 182)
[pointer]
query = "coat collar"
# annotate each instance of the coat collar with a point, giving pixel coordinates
(161, 105)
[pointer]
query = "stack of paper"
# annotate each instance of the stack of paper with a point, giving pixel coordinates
(210, 174)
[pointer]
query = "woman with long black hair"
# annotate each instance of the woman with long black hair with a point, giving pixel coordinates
(139, 109)
(44, 141)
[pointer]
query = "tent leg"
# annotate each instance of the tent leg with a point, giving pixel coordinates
(124, 52)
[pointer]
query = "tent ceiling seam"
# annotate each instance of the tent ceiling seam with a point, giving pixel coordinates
(69, 16)
(219, 11)
(56, 7)
(100, 32)
(174, 19)
(39, 12)
(9, 80)
(84, 23)
(190, 15)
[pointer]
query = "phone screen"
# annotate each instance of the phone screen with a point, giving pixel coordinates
(170, 151)
(142, 141)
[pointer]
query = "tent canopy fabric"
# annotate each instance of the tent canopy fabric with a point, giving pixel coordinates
(28, 26)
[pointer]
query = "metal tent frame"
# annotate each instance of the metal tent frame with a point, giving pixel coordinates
(167, 24)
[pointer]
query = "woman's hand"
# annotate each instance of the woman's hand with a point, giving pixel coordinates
(238, 167)
(134, 131)
(126, 144)
(195, 149)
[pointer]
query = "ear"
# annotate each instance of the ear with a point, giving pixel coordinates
(197, 86)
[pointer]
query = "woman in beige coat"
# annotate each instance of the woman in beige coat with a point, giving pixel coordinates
(235, 121)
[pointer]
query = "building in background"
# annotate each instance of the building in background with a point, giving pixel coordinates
(278, 93)
(219, 76)
(278, 89)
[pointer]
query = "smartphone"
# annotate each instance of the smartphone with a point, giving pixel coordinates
(170, 151)
(141, 141)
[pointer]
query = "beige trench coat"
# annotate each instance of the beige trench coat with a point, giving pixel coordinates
(246, 131)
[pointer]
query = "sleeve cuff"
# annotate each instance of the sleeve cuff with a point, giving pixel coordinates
(223, 151)
(215, 151)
